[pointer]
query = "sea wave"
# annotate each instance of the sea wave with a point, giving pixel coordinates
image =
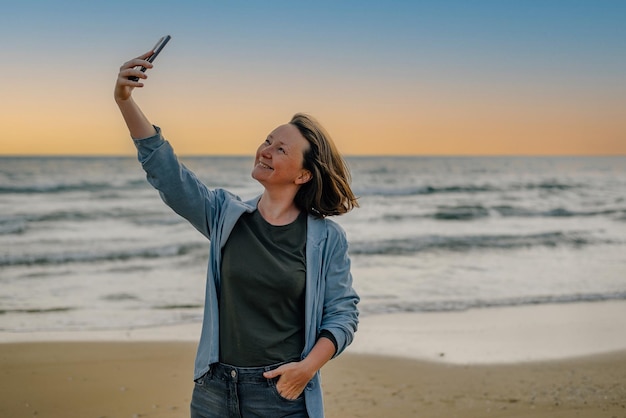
(19, 223)
(66, 187)
(36, 310)
(424, 243)
(463, 188)
(421, 190)
(472, 212)
(558, 212)
(99, 256)
(12, 227)
(367, 307)
(54, 188)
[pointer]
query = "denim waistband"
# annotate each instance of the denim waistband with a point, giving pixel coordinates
(236, 374)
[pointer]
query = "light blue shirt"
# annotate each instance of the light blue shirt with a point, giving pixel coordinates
(330, 301)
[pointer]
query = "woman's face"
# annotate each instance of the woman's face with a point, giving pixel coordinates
(280, 157)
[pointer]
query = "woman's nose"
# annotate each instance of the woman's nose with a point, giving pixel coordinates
(266, 152)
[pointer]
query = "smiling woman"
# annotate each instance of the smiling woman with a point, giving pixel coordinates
(271, 323)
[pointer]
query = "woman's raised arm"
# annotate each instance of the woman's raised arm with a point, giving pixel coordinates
(138, 124)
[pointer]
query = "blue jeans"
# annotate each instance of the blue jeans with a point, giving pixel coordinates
(242, 392)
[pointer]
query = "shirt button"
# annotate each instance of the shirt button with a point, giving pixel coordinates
(233, 373)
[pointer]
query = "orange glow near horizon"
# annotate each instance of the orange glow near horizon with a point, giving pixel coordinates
(222, 125)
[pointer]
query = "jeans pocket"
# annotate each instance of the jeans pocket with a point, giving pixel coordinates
(200, 381)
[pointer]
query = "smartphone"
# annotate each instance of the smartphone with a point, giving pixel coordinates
(157, 48)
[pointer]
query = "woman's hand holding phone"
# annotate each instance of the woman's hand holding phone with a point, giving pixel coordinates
(130, 75)
(134, 70)
(155, 53)
(125, 85)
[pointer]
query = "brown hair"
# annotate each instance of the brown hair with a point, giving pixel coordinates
(328, 192)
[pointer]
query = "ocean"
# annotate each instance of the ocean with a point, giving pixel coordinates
(87, 244)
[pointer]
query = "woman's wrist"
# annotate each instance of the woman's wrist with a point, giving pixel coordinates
(322, 352)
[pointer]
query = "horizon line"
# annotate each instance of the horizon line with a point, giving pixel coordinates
(251, 155)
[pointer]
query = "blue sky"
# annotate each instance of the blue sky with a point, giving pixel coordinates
(431, 55)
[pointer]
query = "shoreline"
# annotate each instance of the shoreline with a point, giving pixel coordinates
(498, 335)
(501, 335)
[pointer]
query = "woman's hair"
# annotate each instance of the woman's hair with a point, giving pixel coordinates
(328, 192)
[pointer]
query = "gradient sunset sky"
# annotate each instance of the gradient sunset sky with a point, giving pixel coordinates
(386, 78)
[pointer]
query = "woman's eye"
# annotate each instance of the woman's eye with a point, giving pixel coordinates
(281, 149)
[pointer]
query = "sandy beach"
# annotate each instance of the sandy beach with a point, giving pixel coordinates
(430, 365)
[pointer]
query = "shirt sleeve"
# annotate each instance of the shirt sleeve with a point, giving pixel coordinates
(340, 312)
(179, 188)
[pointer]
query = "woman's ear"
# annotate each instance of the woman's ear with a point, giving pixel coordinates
(304, 177)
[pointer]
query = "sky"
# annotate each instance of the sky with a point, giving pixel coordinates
(528, 77)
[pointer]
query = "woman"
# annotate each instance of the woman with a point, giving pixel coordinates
(279, 300)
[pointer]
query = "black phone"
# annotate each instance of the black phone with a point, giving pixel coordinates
(157, 48)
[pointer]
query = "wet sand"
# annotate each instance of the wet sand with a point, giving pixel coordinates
(153, 379)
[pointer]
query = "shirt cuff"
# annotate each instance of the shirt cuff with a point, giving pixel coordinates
(146, 146)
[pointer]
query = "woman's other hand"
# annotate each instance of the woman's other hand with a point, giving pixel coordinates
(292, 379)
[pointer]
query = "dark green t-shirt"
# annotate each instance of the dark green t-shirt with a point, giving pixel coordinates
(262, 292)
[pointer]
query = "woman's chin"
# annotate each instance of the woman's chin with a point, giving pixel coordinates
(258, 175)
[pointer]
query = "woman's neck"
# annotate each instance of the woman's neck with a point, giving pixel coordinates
(277, 210)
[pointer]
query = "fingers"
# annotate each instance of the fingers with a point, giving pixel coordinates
(145, 55)
(289, 385)
(130, 76)
(289, 390)
(141, 60)
(133, 68)
(137, 62)
(272, 373)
